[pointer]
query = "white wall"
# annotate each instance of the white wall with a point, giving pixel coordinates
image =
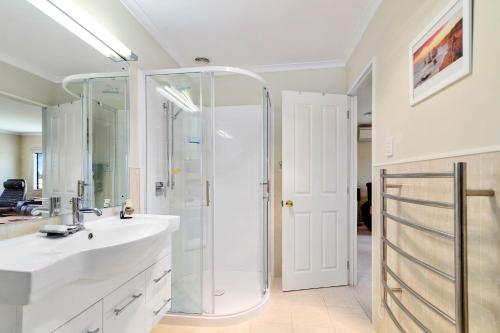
(364, 167)
(21, 83)
(238, 195)
(10, 157)
(463, 116)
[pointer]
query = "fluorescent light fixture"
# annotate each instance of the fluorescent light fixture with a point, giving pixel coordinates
(181, 99)
(73, 18)
(223, 134)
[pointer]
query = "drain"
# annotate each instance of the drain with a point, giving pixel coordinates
(219, 292)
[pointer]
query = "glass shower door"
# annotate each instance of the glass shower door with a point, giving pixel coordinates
(176, 172)
(265, 191)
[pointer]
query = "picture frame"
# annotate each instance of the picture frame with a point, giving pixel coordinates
(442, 53)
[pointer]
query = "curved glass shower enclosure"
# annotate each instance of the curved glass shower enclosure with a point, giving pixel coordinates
(207, 161)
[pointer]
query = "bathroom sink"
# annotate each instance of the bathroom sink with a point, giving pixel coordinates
(35, 265)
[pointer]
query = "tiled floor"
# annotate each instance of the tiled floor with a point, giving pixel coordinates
(327, 310)
(363, 291)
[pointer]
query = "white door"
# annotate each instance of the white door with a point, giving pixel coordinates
(315, 174)
(62, 149)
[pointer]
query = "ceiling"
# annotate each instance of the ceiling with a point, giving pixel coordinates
(19, 118)
(253, 33)
(39, 45)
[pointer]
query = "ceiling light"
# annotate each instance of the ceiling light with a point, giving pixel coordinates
(178, 98)
(202, 60)
(73, 18)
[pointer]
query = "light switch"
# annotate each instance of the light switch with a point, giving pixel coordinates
(389, 146)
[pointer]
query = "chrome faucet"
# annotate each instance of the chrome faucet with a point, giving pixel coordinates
(53, 209)
(78, 211)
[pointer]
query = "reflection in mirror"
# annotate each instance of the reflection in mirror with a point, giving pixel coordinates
(52, 136)
(21, 157)
(106, 172)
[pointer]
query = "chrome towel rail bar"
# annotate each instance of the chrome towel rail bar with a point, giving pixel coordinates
(418, 262)
(459, 238)
(437, 204)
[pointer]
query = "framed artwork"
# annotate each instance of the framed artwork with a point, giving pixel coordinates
(442, 53)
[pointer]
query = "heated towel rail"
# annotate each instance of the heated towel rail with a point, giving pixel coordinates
(459, 238)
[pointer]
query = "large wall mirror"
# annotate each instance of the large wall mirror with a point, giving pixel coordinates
(58, 125)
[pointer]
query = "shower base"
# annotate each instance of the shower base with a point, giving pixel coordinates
(242, 300)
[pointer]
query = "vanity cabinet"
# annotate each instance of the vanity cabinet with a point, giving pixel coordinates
(113, 277)
(89, 321)
(134, 307)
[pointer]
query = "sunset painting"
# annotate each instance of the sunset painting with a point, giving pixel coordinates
(441, 54)
(441, 49)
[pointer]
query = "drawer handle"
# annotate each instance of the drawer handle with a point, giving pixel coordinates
(134, 297)
(94, 331)
(165, 302)
(165, 273)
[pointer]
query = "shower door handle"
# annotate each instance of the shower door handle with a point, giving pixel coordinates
(207, 193)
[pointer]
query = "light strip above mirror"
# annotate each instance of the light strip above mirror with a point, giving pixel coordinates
(73, 18)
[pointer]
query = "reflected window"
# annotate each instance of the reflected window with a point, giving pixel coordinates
(38, 168)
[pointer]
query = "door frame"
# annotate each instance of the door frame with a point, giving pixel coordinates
(369, 68)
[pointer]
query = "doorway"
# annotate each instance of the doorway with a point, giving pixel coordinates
(362, 97)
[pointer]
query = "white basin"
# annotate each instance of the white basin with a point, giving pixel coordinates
(33, 266)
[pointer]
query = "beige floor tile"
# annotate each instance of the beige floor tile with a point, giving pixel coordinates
(328, 310)
(313, 329)
(240, 328)
(340, 297)
(345, 322)
(276, 314)
(258, 326)
(311, 316)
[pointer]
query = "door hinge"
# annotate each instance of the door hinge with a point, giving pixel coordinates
(348, 114)
(348, 265)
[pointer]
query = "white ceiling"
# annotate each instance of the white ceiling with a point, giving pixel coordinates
(19, 118)
(250, 33)
(32, 41)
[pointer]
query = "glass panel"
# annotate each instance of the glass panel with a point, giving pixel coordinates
(106, 141)
(238, 192)
(207, 102)
(265, 189)
(177, 180)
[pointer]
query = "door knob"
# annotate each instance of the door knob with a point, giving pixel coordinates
(289, 203)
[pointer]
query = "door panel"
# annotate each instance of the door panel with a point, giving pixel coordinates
(315, 181)
(62, 147)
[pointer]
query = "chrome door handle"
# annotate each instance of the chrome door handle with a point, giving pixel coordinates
(165, 302)
(165, 273)
(94, 331)
(134, 297)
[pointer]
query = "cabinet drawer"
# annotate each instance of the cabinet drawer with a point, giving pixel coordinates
(89, 321)
(125, 307)
(159, 278)
(157, 309)
(158, 300)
